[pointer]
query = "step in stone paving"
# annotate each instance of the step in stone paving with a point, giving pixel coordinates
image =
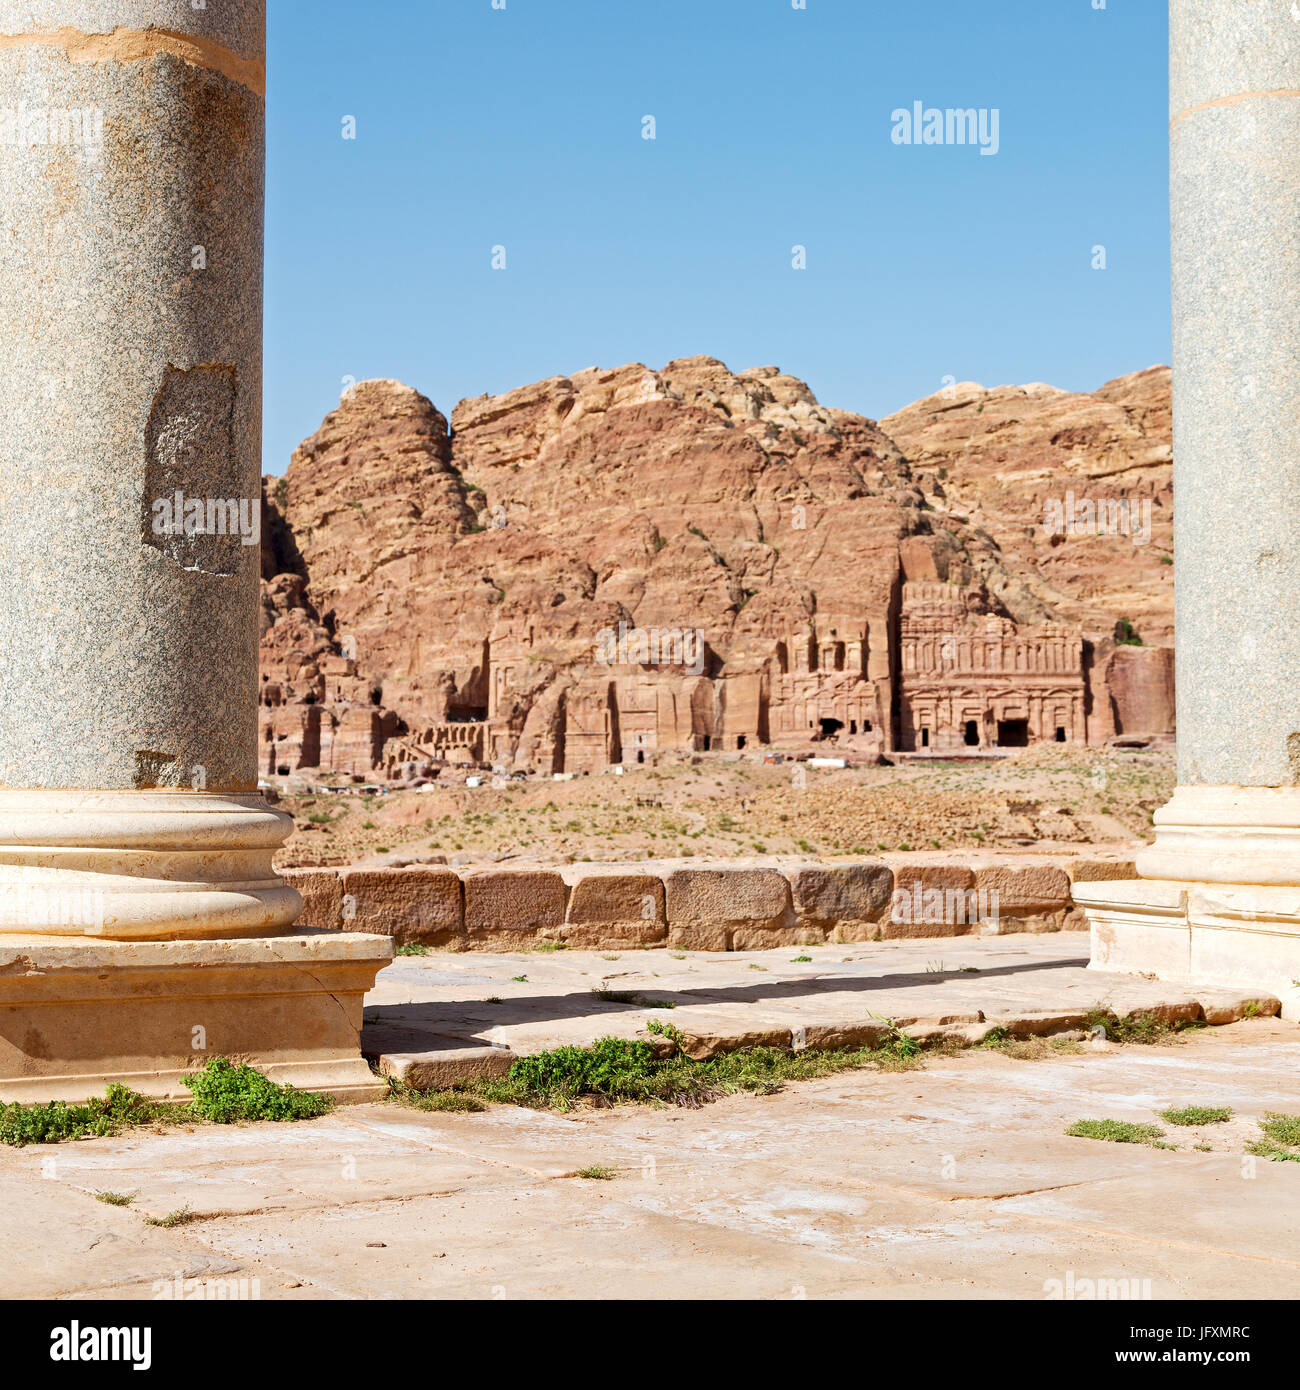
(436, 1019)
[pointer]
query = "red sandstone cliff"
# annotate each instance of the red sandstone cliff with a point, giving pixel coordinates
(451, 594)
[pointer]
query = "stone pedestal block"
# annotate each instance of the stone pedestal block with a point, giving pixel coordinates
(76, 1014)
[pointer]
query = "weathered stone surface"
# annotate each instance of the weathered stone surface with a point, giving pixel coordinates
(944, 877)
(432, 1071)
(158, 154)
(509, 900)
(699, 936)
(1038, 1023)
(749, 938)
(1099, 870)
(931, 900)
(413, 906)
(1024, 892)
(904, 930)
(613, 910)
(322, 897)
(729, 898)
(79, 1013)
(602, 936)
(1220, 1011)
(617, 898)
(831, 1037)
(840, 894)
(701, 1044)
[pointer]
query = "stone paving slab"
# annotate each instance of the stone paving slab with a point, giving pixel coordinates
(176, 1168)
(426, 1010)
(953, 1179)
(58, 1240)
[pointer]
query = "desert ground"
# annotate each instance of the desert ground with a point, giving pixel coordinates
(726, 806)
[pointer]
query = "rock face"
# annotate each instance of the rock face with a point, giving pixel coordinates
(1004, 457)
(600, 568)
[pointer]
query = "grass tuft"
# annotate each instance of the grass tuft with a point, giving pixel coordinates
(626, 1071)
(58, 1123)
(182, 1216)
(1197, 1115)
(597, 1173)
(1144, 1028)
(1281, 1143)
(226, 1094)
(1282, 1129)
(116, 1199)
(1118, 1132)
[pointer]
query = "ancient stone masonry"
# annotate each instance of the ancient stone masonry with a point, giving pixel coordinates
(625, 565)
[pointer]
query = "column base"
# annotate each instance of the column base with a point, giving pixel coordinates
(1203, 933)
(77, 1014)
(1226, 835)
(142, 865)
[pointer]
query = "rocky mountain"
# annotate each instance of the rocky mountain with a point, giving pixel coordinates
(435, 592)
(1001, 457)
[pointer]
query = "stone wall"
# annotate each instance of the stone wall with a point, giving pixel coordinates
(702, 907)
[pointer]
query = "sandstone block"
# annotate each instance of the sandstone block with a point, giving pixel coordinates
(514, 900)
(1022, 892)
(699, 936)
(1100, 870)
(322, 897)
(907, 877)
(728, 899)
(1030, 923)
(704, 1043)
(906, 930)
(752, 938)
(931, 900)
(610, 910)
(600, 898)
(828, 896)
(411, 905)
(829, 1037)
(435, 1071)
(1038, 1024)
(601, 936)
(79, 1013)
(1248, 1006)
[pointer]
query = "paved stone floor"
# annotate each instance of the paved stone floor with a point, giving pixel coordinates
(441, 1004)
(952, 1180)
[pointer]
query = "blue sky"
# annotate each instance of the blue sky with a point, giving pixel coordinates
(522, 128)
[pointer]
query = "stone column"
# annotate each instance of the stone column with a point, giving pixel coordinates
(132, 154)
(1221, 897)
